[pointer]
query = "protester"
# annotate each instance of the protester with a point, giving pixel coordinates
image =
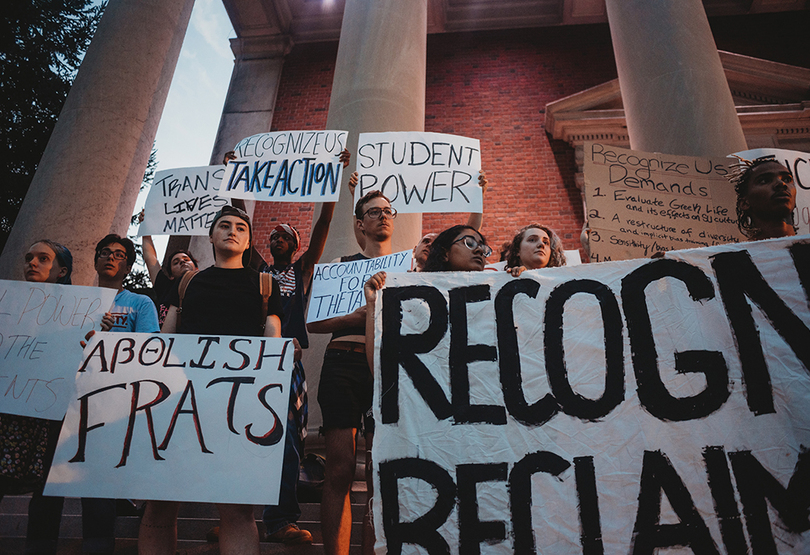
(460, 248)
(533, 247)
(224, 299)
(28, 444)
(766, 198)
(346, 386)
(295, 280)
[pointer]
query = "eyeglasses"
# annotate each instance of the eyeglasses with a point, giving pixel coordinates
(472, 243)
(117, 255)
(375, 213)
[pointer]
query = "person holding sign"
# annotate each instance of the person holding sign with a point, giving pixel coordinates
(533, 247)
(28, 444)
(766, 198)
(346, 386)
(460, 248)
(224, 299)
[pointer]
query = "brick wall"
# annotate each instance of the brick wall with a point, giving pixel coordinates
(494, 86)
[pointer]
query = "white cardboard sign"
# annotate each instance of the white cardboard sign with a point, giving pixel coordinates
(286, 166)
(183, 201)
(176, 417)
(639, 406)
(337, 287)
(421, 172)
(41, 325)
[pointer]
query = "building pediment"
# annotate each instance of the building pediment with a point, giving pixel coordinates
(772, 100)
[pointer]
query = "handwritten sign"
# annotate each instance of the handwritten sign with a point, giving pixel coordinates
(183, 201)
(799, 165)
(41, 325)
(337, 288)
(638, 406)
(639, 203)
(286, 166)
(176, 417)
(421, 172)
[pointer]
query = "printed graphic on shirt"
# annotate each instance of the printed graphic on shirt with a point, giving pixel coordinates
(285, 280)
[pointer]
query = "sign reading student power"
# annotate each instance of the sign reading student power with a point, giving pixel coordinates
(286, 166)
(421, 172)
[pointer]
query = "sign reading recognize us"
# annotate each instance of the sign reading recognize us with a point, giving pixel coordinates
(624, 407)
(176, 417)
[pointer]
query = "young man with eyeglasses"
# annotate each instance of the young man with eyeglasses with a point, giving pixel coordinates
(347, 386)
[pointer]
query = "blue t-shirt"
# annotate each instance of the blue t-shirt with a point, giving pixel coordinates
(133, 312)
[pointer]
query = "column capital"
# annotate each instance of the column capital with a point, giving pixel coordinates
(261, 47)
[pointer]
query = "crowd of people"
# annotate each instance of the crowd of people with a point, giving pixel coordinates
(230, 298)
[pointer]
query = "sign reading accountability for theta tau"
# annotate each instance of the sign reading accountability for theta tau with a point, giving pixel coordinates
(626, 407)
(639, 204)
(176, 417)
(421, 172)
(183, 201)
(799, 165)
(41, 325)
(286, 166)
(337, 288)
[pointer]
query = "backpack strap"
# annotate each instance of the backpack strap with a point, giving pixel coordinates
(266, 289)
(181, 291)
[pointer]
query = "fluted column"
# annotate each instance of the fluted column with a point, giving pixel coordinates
(90, 174)
(675, 94)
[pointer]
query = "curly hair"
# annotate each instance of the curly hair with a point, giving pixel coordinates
(555, 259)
(437, 258)
(125, 242)
(740, 177)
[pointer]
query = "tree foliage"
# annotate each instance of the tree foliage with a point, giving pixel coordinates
(42, 43)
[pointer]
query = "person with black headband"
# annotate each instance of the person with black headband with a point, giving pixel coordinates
(224, 299)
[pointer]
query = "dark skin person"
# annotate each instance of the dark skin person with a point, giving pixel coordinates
(769, 199)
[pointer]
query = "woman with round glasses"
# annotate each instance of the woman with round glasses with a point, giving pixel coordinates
(533, 247)
(460, 248)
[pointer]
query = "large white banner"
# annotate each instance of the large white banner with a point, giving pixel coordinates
(176, 417)
(286, 166)
(183, 201)
(641, 406)
(799, 164)
(421, 172)
(337, 287)
(41, 325)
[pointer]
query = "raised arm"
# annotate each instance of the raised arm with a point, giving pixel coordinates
(476, 219)
(150, 257)
(358, 235)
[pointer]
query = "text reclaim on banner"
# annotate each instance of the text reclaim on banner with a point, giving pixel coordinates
(606, 408)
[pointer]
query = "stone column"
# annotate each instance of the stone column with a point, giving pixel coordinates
(248, 109)
(379, 85)
(675, 94)
(89, 176)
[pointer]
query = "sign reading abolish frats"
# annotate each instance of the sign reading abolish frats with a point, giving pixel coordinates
(183, 201)
(337, 288)
(626, 407)
(41, 325)
(799, 165)
(176, 417)
(421, 172)
(639, 203)
(286, 166)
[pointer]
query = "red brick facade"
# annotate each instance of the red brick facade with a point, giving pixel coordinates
(491, 86)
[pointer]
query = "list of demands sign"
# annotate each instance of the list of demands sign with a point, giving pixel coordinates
(176, 417)
(640, 203)
(640, 406)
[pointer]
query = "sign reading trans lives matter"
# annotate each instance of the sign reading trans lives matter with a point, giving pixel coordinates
(421, 172)
(41, 325)
(633, 407)
(176, 417)
(799, 165)
(286, 166)
(183, 201)
(639, 203)
(337, 288)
